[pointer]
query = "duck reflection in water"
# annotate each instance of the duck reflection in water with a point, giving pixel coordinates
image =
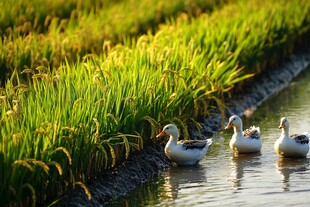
(288, 166)
(240, 163)
(178, 179)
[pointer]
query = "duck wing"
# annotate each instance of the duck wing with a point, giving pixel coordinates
(300, 138)
(193, 144)
(252, 133)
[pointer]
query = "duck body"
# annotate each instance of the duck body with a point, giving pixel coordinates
(189, 153)
(185, 152)
(247, 141)
(292, 146)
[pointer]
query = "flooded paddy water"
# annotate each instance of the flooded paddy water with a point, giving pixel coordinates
(246, 180)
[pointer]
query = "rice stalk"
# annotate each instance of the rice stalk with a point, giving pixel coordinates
(126, 143)
(32, 191)
(154, 126)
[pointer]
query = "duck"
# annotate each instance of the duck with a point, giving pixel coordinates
(183, 152)
(242, 142)
(295, 145)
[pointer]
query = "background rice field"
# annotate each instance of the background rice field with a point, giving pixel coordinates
(76, 101)
(50, 32)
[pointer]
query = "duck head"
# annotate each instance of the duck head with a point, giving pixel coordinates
(170, 130)
(283, 123)
(234, 121)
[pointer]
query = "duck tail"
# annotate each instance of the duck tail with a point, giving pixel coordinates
(209, 141)
(306, 134)
(256, 129)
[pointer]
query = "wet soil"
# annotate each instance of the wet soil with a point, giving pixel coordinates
(141, 166)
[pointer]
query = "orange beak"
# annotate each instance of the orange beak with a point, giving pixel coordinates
(161, 134)
(229, 125)
(281, 126)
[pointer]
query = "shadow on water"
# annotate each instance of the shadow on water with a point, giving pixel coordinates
(288, 166)
(165, 188)
(182, 178)
(240, 163)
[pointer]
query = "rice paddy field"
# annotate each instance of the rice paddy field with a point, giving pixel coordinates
(50, 32)
(85, 83)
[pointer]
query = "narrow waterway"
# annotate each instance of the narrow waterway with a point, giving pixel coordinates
(260, 179)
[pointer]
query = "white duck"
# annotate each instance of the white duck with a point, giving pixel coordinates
(184, 152)
(296, 145)
(247, 141)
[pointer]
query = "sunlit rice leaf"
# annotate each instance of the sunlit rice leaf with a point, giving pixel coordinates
(112, 153)
(39, 163)
(57, 165)
(24, 163)
(87, 192)
(67, 153)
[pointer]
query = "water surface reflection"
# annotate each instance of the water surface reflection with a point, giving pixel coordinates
(243, 163)
(288, 166)
(182, 179)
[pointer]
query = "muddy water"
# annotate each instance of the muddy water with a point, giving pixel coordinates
(260, 179)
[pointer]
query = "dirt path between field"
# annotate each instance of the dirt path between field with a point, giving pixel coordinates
(117, 182)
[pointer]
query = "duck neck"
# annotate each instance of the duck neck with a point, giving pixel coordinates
(285, 132)
(173, 139)
(238, 129)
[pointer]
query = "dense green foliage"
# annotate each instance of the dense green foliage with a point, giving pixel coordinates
(69, 122)
(48, 32)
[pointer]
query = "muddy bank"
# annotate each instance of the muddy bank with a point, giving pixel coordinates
(119, 181)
